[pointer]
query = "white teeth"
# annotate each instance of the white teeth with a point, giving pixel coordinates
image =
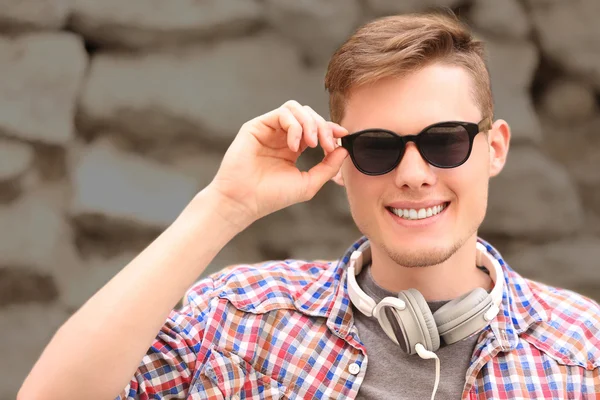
(418, 214)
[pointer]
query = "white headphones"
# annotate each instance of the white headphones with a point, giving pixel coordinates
(407, 319)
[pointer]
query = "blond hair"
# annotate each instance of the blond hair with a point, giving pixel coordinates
(397, 45)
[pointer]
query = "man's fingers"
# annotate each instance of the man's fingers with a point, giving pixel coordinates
(338, 130)
(303, 125)
(325, 133)
(309, 125)
(325, 170)
(290, 125)
(282, 119)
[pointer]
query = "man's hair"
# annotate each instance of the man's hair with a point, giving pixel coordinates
(396, 46)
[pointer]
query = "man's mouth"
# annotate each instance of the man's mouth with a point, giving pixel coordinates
(422, 213)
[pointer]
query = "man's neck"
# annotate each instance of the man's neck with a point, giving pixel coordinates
(448, 280)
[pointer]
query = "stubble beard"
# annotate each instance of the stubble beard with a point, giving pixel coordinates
(419, 258)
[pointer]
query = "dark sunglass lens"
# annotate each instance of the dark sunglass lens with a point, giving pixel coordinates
(445, 145)
(376, 152)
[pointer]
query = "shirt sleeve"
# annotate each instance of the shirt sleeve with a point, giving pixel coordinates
(168, 367)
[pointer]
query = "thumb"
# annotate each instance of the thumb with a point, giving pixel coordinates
(325, 170)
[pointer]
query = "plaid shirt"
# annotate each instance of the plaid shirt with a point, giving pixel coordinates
(284, 329)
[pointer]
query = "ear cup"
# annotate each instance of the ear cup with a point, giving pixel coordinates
(419, 324)
(457, 315)
(397, 328)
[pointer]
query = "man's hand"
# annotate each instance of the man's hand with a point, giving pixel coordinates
(259, 174)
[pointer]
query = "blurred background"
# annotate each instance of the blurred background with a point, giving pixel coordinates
(113, 114)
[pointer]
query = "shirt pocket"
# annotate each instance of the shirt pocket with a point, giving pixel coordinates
(237, 379)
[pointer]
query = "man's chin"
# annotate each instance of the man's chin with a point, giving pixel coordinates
(423, 256)
(419, 262)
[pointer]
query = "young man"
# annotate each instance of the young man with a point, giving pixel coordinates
(419, 286)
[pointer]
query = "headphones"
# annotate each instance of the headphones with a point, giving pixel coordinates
(407, 319)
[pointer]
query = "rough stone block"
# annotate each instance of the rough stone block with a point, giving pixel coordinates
(386, 7)
(42, 73)
(532, 198)
(570, 263)
(19, 15)
(303, 226)
(568, 100)
(16, 160)
(115, 191)
(190, 158)
(152, 23)
(35, 235)
(512, 66)
(317, 27)
(206, 92)
(501, 19)
(82, 281)
(570, 35)
(26, 330)
(518, 110)
(243, 249)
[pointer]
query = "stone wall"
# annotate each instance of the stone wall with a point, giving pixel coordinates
(114, 113)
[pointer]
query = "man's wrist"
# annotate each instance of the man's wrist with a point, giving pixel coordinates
(222, 211)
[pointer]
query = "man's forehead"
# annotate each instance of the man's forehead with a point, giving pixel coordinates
(413, 102)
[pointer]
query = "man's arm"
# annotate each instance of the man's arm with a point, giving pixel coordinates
(96, 352)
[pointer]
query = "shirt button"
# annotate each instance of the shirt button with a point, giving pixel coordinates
(354, 368)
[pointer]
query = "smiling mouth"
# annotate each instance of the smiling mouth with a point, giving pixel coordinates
(422, 213)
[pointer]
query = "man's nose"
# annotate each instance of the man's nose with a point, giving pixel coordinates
(414, 171)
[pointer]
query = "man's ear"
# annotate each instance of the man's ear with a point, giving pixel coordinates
(499, 142)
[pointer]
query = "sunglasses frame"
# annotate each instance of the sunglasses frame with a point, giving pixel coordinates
(472, 129)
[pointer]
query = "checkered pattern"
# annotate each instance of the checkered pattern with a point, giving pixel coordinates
(285, 330)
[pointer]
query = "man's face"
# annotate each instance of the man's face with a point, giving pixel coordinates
(407, 105)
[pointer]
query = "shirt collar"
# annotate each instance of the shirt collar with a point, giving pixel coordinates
(328, 295)
(520, 308)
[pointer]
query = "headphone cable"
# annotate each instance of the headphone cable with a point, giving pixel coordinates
(426, 355)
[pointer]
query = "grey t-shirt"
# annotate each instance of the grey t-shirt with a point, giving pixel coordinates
(393, 374)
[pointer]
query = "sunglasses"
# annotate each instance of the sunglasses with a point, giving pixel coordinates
(443, 145)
